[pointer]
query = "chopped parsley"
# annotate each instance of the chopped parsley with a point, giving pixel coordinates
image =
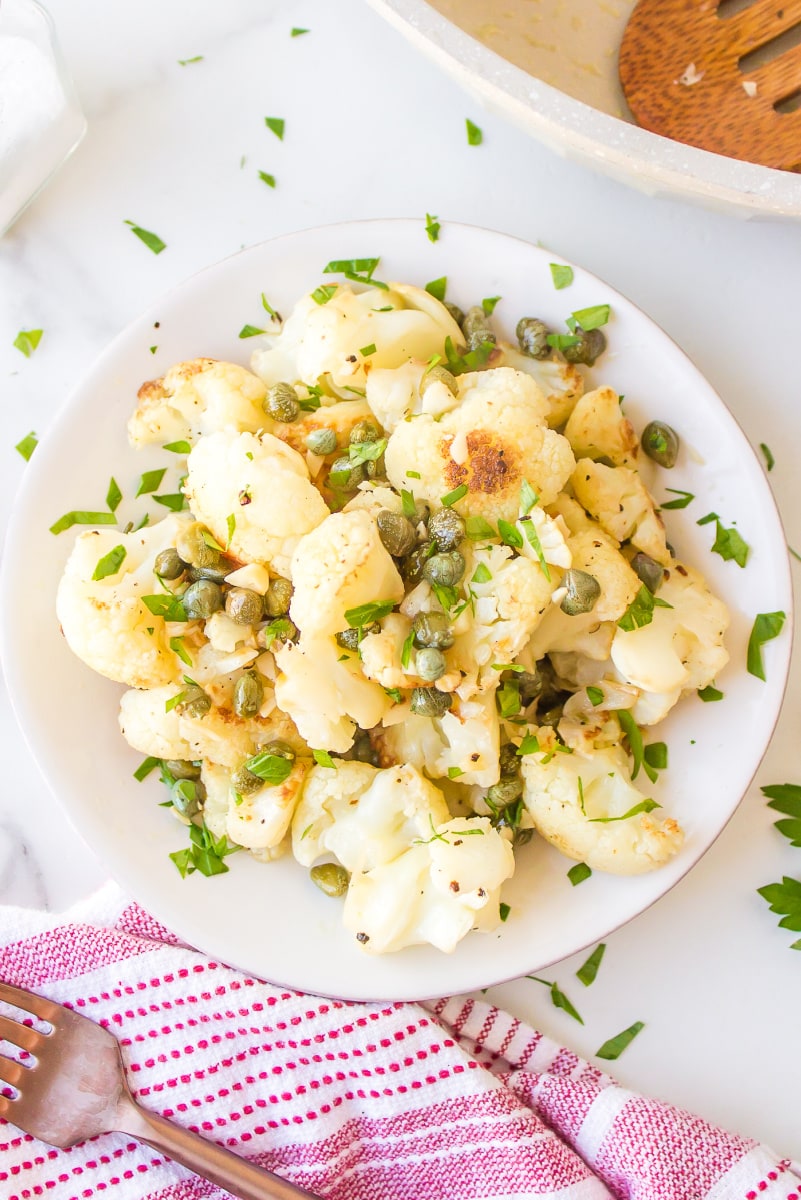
(510, 534)
(488, 304)
(786, 798)
(276, 125)
(323, 293)
(248, 331)
(528, 497)
(27, 340)
(482, 574)
(655, 756)
(432, 227)
(184, 62)
(205, 853)
(365, 614)
(471, 361)
(454, 772)
(177, 447)
(589, 969)
(110, 563)
(272, 768)
(477, 529)
(595, 695)
(230, 525)
(436, 287)
(150, 481)
(558, 998)
(561, 275)
(593, 317)
(728, 543)
(578, 873)
(165, 605)
(503, 911)
(174, 501)
(409, 506)
(81, 517)
(507, 698)
(766, 627)
(408, 647)
(360, 270)
(27, 446)
(614, 1046)
(146, 766)
(560, 341)
(529, 745)
(296, 32)
(151, 240)
(363, 452)
(533, 539)
(644, 806)
(641, 610)
(366, 351)
(455, 496)
(265, 177)
(681, 501)
(475, 135)
(113, 495)
(770, 461)
(709, 694)
(178, 647)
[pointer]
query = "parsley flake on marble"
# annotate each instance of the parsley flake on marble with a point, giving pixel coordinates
(766, 627)
(614, 1046)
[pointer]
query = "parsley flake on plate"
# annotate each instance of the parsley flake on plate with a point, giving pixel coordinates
(27, 340)
(766, 627)
(82, 517)
(561, 274)
(27, 446)
(150, 239)
(588, 970)
(276, 125)
(475, 135)
(578, 873)
(266, 178)
(436, 287)
(432, 227)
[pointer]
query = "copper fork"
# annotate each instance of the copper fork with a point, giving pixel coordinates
(75, 1088)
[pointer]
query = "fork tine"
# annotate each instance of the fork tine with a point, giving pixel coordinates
(12, 1072)
(20, 1035)
(29, 1001)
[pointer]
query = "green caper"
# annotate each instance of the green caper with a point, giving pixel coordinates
(428, 702)
(432, 629)
(509, 760)
(280, 749)
(648, 571)
(248, 694)
(444, 569)
(412, 565)
(169, 564)
(455, 311)
(362, 749)
(346, 476)
(476, 328)
(321, 441)
(438, 375)
(375, 468)
(532, 337)
(194, 702)
(363, 431)
(349, 639)
(216, 574)
(429, 664)
(530, 685)
(330, 878)
(193, 546)
(661, 443)
(202, 598)
(279, 594)
(583, 591)
(447, 528)
(505, 791)
(244, 606)
(180, 769)
(590, 346)
(245, 782)
(187, 795)
(281, 403)
(282, 629)
(551, 715)
(396, 532)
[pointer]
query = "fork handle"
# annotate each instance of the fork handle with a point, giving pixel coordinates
(205, 1158)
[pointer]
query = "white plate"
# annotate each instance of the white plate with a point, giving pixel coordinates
(269, 919)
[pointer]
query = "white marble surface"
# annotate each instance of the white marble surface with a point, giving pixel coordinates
(373, 130)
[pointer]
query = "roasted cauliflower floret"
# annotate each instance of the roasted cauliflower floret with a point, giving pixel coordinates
(394, 395)
(364, 816)
(578, 803)
(104, 620)
(494, 440)
(464, 743)
(434, 893)
(682, 648)
(339, 566)
(197, 397)
(596, 428)
(260, 819)
(617, 498)
(560, 382)
(402, 322)
(254, 494)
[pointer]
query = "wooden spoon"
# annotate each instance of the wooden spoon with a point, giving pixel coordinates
(683, 75)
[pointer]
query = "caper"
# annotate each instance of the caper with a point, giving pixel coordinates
(244, 606)
(362, 749)
(432, 629)
(363, 431)
(193, 546)
(202, 598)
(429, 664)
(330, 878)
(455, 311)
(428, 702)
(279, 594)
(447, 528)
(412, 565)
(280, 749)
(476, 328)
(248, 694)
(532, 337)
(444, 569)
(187, 795)
(216, 574)
(194, 702)
(505, 791)
(396, 532)
(281, 403)
(661, 443)
(169, 564)
(375, 468)
(245, 782)
(280, 630)
(648, 571)
(583, 591)
(345, 475)
(349, 639)
(180, 769)
(530, 685)
(551, 715)
(590, 346)
(509, 760)
(438, 375)
(321, 441)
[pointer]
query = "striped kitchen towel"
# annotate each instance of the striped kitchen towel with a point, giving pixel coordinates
(448, 1100)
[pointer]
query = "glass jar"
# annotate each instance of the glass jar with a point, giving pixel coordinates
(41, 121)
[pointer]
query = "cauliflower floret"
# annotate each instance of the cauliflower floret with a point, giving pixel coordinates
(326, 693)
(197, 397)
(363, 816)
(259, 820)
(464, 741)
(340, 565)
(381, 653)
(571, 797)
(546, 536)
(597, 429)
(561, 383)
(220, 736)
(402, 322)
(617, 498)
(261, 482)
(495, 439)
(682, 648)
(394, 395)
(217, 782)
(373, 497)
(434, 893)
(104, 620)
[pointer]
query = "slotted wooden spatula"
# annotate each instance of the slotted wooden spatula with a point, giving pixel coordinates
(722, 76)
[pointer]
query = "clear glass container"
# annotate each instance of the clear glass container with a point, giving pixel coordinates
(41, 121)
